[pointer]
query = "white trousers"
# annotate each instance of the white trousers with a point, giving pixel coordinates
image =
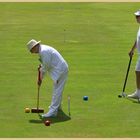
(138, 64)
(57, 92)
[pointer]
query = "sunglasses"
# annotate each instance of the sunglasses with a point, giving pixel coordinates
(137, 16)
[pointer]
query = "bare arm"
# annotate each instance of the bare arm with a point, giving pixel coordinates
(131, 53)
(39, 76)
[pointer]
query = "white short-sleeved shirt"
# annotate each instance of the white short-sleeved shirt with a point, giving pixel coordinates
(52, 62)
(138, 41)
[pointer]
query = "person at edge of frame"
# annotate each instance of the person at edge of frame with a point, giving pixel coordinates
(136, 94)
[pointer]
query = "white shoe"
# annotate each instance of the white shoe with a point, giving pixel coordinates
(135, 95)
(49, 114)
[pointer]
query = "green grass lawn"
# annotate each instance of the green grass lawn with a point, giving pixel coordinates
(95, 39)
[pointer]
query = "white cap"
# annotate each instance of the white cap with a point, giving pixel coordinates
(137, 13)
(32, 43)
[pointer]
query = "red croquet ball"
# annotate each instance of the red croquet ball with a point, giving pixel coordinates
(47, 123)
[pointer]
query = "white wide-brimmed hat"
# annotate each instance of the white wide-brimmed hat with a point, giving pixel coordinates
(137, 13)
(32, 43)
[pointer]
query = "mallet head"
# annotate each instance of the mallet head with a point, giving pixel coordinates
(37, 110)
(119, 96)
(122, 95)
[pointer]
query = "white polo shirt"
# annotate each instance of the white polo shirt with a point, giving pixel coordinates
(138, 41)
(52, 62)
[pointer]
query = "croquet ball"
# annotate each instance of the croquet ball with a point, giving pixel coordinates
(85, 98)
(27, 110)
(47, 122)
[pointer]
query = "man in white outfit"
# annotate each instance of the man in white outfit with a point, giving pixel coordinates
(136, 94)
(53, 63)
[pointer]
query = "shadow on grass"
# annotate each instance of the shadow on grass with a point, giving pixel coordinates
(133, 100)
(61, 117)
(36, 121)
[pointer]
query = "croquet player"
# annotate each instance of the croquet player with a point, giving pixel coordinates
(136, 94)
(53, 63)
